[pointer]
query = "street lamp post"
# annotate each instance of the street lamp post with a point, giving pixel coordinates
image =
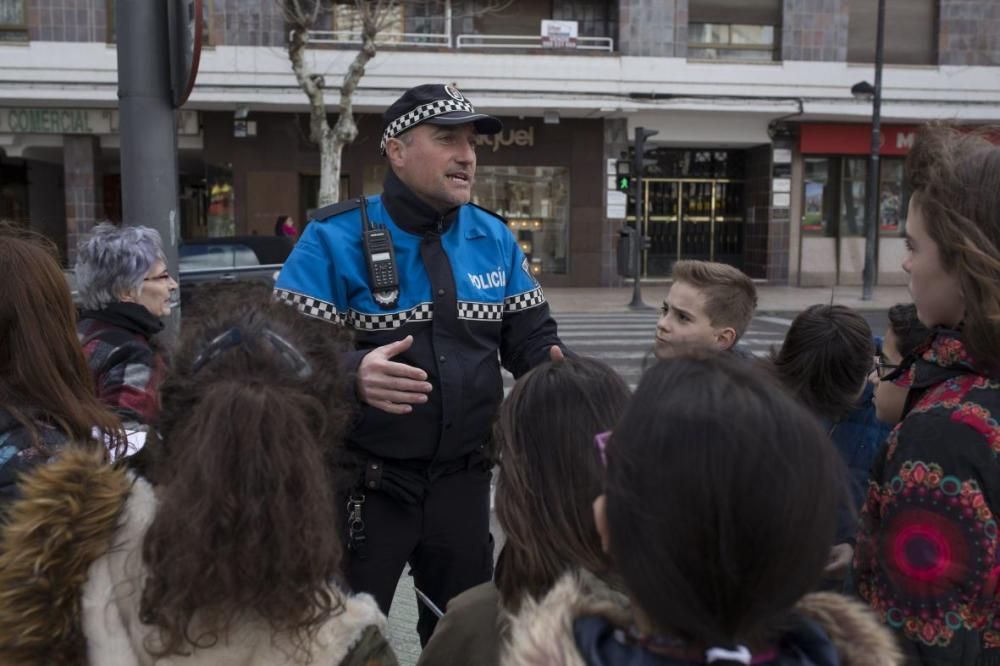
(871, 209)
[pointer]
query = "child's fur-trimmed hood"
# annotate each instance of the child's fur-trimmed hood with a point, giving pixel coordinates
(542, 631)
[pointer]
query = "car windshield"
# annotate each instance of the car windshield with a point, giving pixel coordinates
(196, 257)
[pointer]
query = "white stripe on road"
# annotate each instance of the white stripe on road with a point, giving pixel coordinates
(775, 320)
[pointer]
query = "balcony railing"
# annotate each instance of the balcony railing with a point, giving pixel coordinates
(383, 38)
(471, 41)
(529, 42)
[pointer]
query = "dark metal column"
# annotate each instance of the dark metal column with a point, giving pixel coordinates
(871, 209)
(148, 127)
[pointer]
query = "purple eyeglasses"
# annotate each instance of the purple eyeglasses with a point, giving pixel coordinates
(601, 444)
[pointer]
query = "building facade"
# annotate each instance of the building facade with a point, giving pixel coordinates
(760, 156)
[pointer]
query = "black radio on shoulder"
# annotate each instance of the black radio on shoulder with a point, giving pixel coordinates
(381, 257)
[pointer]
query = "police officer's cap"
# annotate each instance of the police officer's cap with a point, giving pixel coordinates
(435, 104)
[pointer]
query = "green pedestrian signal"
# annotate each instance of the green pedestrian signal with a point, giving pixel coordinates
(624, 183)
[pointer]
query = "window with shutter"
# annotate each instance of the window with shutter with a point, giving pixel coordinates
(911, 28)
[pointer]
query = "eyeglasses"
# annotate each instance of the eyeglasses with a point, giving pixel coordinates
(162, 276)
(601, 444)
(885, 371)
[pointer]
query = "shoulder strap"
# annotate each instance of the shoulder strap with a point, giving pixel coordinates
(488, 212)
(326, 212)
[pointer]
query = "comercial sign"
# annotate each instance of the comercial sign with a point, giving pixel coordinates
(837, 139)
(28, 120)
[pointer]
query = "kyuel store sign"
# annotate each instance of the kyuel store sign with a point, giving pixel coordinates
(75, 121)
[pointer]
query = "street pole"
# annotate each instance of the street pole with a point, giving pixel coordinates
(148, 128)
(638, 150)
(871, 209)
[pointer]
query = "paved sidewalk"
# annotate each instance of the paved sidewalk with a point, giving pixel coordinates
(770, 298)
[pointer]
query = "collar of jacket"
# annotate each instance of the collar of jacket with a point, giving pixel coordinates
(943, 358)
(410, 212)
(130, 316)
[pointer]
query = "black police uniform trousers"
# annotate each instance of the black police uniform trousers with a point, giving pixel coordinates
(444, 537)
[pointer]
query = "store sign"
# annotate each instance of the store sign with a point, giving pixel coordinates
(559, 34)
(77, 121)
(831, 139)
(55, 121)
(522, 138)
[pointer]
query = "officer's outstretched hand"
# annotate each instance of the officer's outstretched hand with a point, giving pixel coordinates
(390, 386)
(556, 354)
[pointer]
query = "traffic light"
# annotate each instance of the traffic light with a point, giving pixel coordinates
(623, 176)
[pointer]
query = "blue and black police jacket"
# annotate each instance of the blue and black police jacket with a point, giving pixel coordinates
(466, 293)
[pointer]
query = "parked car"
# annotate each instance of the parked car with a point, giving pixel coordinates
(210, 261)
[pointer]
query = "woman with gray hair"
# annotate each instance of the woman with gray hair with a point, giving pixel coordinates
(122, 278)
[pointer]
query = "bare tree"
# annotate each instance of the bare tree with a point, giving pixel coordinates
(374, 16)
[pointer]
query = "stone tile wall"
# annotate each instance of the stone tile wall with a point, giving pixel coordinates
(969, 32)
(656, 28)
(814, 30)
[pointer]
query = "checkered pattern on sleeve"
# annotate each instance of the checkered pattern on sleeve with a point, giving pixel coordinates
(480, 311)
(524, 301)
(420, 114)
(376, 322)
(313, 307)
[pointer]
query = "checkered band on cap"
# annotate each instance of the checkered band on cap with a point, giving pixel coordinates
(420, 114)
(480, 311)
(310, 306)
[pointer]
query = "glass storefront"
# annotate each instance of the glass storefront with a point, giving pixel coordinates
(535, 202)
(835, 196)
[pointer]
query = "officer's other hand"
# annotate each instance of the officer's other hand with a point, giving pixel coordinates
(556, 354)
(390, 386)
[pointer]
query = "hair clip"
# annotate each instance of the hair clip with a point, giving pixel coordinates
(234, 337)
(219, 344)
(741, 655)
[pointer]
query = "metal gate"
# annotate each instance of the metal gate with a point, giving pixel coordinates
(691, 218)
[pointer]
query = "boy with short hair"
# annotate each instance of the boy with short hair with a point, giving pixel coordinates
(709, 305)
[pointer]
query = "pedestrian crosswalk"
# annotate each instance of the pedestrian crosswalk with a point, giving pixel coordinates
(625, 340)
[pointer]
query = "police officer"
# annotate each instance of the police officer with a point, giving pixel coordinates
(430, 317)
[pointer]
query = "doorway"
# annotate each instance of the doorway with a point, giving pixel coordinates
(691, 218)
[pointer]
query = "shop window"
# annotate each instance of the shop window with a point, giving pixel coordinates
(13, 23)
(910, 31)
(835, 196)
(221, 211)
(853, 196)
(535, 202)
(819, 211)
(206, 21)
(14, 194)
(894, 198)
(734, 29)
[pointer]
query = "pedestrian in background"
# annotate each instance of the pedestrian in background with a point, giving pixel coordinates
(122, 280)
(824, 363)
(928, 556)
(47, 396)
(285, 226)
(550, 474)
(718, 512)
(439, 296)
(893, 376)
(229, 558)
